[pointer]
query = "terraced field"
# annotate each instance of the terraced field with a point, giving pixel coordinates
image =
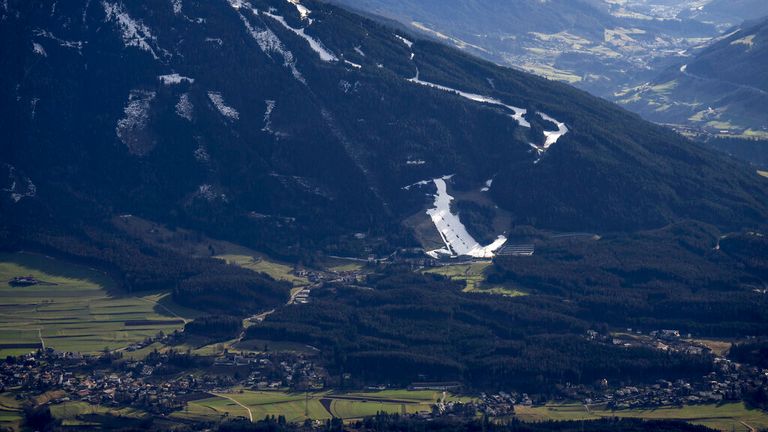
(726, 417)
(75, 308)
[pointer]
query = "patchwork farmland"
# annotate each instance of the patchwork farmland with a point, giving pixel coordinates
(75, 308)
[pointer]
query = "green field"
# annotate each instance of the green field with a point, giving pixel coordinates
(294, 405)
(260, 264)
(731, 416)
(10, 412)
(474, 276)
(76, 309)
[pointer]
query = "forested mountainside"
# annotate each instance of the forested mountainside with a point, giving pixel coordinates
(722, 89)
(285, 126)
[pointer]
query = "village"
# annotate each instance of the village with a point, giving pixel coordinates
(159, 384)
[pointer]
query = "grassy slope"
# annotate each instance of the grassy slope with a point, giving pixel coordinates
(474, 275)
(81, 312)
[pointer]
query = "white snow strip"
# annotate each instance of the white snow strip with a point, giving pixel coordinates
(184, 107)
(417, 184)
(316, 45)
(354, 65)
(553, 136)
(268, 115)
(359, 51)
(488, 184)
(175, 79)
(38, 49)
(458, 242)
(227, 111)
(407, 43)
(217, 41)
(268, 40)
(134, 33)
(517, 113)
(77, 45)
(416, 162)
(683, 68)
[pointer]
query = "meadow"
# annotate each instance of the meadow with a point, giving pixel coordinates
(10, 412)
(76, 308)
(473, 274)
(726, 417)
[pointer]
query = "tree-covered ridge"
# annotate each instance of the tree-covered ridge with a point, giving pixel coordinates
(239, 128)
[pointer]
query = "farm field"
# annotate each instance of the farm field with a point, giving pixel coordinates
(726, 417)
(10, 412)
(319, 406)
(474, 276)
(75, 308)
(260, 264)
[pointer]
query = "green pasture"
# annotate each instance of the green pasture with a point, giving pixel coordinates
(76, 308)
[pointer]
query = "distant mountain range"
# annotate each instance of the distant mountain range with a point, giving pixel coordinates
(723, 89)
(294, 127)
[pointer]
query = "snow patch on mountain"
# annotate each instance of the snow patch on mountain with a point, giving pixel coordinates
(227, 111)
(354, 65)
(201, 154)
(488, 184)
(131, 128)
(458, 242)
(267, 40)
(175, 79)
(407, 42)
(134, 33)
(177, 6)
(19, 187)
(359, 51)
(38, 49)
(271, 104)
(518, 114)
(303, 10)
(551, 137)
(76, 45)
(209, 193)
(184, 107)
(315, 44)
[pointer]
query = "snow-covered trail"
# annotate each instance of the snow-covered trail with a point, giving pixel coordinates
(458, 242)
(517, 113)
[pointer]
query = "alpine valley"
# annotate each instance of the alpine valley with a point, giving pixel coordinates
(348, 205)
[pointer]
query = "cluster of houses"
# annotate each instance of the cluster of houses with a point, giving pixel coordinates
(275, 371)
(728, 382)
(501, 404)
(663, 340)
(107, 380)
